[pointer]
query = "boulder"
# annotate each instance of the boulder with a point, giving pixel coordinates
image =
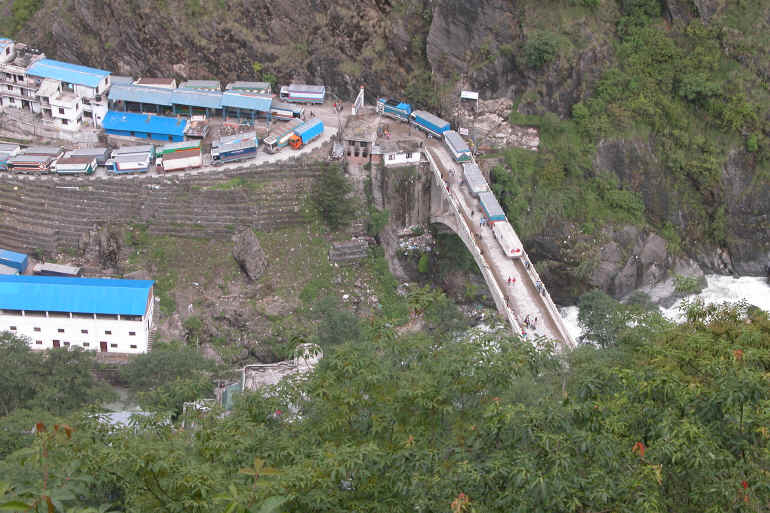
(248, 253)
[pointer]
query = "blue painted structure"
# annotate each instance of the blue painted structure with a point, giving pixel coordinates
(429, 123)
(77, 295)
(394, 109)
(18, 261)
(144, 126)
(66, 72)
(235, 147)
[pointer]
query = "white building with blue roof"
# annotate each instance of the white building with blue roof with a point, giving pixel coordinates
(94, 314)
(71, 94)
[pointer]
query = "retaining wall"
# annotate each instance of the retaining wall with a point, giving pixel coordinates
(50, 215)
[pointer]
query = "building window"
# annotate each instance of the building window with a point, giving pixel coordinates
(39, 342)
(133, 346)
(66, 344)
(408, 155)
(61, 110)
(86, 344)
(113, 346)
(107, 332)
(36, 329)
(85, 332)
(64, 121)
(13, 328)
(391, 157)
(132, 333)
(60, 330)
(10, 88)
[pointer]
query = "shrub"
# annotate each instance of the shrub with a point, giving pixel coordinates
(540, 49)
(751, 143)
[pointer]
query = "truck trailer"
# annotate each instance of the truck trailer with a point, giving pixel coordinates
(306, 132)
(394, 109)
(474, 179)
(303, 93)
(457, 146)
(76, 165)
(179, 160)
(101, 154)
(432, 125)
(280, 136)
(166, 149)
(234, 147)
(36, 164)
(492, 209)
(286, 111)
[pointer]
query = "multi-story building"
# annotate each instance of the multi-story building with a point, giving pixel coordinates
(70, 94)
(95, 314)
(17, 90)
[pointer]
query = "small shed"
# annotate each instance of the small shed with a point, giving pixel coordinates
(201, 85)
(250, 87)
(400, 153)
(13, 259)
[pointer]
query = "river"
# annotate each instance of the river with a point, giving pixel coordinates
(755, 290)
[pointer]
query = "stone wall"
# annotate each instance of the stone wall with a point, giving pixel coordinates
(50, 215)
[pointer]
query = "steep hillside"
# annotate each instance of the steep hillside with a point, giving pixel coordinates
(653, 113)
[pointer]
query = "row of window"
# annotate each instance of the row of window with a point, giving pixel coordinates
(84, 332)
(59, 343)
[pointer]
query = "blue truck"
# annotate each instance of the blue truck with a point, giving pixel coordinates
(432, 125)
(280, 136)
(492, 209)
(306, 132)
(234, 147)
(394, 109)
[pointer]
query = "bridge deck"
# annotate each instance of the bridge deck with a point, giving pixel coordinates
(522, 296)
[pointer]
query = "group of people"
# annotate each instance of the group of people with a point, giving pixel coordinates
(530, 321)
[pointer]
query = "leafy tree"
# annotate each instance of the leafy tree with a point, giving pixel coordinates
(170, 397)
(17, 372)
(166, 362)
(331, 197)
(540, 49)
(337, 324)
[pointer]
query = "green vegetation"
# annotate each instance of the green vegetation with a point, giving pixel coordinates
(662, 418)
(540, 49)
(540, 190)
(331, 197)
(21, 11)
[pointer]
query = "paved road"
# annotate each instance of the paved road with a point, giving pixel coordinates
(521, 293)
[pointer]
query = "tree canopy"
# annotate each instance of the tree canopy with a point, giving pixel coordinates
(664, 418)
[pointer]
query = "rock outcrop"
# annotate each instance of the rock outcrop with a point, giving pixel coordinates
(248, 253)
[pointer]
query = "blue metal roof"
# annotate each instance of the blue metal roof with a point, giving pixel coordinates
(247, 101)
(66, 72)
(141, 94)
(132, 122)
(193, 98)
(79, 295)
(4, 41)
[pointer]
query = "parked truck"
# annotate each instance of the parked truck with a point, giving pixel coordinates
(306, 132)
(280, 136)
(234, 147)
(394, 109)
(433, 125)
(303, 93)
(179, 160)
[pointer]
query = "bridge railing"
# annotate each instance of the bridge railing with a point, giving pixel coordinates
(486, 270)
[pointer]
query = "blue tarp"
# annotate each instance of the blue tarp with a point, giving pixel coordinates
(12, 259)
(66, 72)
(77, 295)
(130, 122)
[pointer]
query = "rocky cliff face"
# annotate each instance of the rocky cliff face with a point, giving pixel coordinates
(425, 51)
